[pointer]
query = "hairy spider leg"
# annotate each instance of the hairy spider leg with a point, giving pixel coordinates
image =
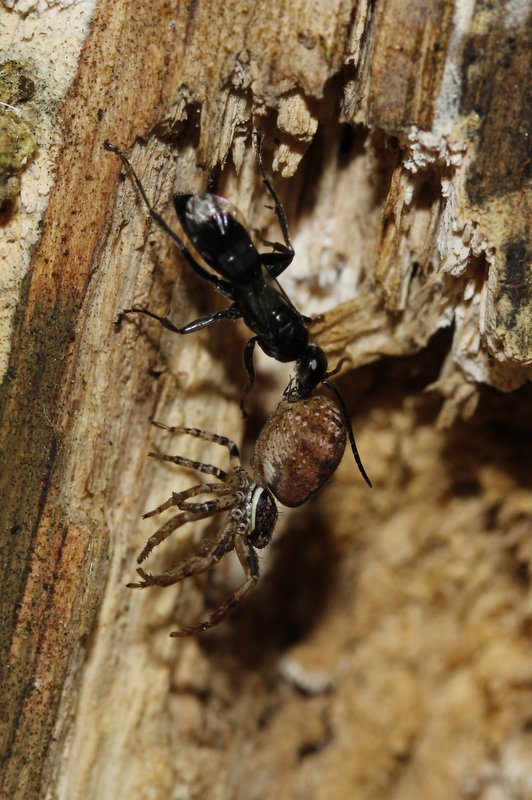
(179, 499)
(189, 463)
(330, 385)
(207, 436)
(250, 564)
(195, 511)
(222, 286)
(199, 562)
(192, 513)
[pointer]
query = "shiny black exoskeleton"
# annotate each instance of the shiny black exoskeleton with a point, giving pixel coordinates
(248, 279)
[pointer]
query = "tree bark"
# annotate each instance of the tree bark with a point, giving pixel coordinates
(386, 653)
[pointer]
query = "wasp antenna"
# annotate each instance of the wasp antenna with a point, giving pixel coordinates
(156, 217)
(125, 160)
(330, 385)
(338, 367)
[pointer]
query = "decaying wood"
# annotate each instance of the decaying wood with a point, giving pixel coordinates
(386, 653)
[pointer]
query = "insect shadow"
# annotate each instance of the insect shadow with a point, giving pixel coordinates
(248, 279)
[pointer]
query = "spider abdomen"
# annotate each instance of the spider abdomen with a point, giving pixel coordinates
(299, 448)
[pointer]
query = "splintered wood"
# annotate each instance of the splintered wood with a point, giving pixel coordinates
(386, 654)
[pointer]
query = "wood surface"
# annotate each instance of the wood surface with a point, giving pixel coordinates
(387, 652)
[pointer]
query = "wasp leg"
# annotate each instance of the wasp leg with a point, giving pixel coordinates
(250, 369)
(196, 325)
(279, 212)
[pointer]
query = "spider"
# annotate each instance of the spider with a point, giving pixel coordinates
(248, 526)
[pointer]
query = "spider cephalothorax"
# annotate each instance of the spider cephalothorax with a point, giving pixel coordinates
(251, 518)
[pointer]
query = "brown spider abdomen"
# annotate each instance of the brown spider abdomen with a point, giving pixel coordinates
(299, 448)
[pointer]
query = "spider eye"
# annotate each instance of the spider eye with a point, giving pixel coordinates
(263, 517)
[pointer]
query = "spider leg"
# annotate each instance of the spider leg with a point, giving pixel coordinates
(250, 369)
(191, 513)
(166, 530)
(207, 436)
(194, 565)
(209, 469)
(196, 325)
(279, 211)
(222, 286)
(250, 564)
(178, 498)
(214, 506)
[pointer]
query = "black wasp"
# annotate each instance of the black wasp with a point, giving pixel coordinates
(218, 233)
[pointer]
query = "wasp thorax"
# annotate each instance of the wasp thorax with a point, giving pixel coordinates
(299, 448)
